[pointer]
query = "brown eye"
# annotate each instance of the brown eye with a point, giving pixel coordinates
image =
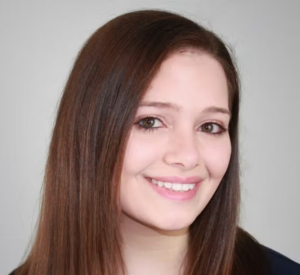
(147, 122)
(212, 128)
(208, 128)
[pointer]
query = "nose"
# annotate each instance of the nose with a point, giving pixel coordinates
(182, 150)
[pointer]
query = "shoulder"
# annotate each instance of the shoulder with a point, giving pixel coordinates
(251, 257)
(280, 264)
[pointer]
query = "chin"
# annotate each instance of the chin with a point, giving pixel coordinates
(169, 225)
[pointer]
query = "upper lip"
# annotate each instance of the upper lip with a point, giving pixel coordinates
(175, 179)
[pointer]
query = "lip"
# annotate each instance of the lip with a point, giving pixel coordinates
(174, 179)
(174, 195)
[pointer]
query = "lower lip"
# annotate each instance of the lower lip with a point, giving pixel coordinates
(175, 195)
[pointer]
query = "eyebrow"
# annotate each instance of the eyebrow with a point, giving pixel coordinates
(175, 107)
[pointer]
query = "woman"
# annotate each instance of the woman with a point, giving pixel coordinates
(143, 171)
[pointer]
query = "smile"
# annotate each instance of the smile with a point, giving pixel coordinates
(178, 187)
(174, 190)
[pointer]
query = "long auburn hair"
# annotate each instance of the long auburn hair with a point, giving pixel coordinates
(79, 225)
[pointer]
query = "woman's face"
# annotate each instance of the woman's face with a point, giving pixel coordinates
(179, 147)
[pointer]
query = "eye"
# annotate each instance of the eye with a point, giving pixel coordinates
(212, 128)
(149, 123)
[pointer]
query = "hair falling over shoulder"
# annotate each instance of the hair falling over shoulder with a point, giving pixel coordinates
(78, 229)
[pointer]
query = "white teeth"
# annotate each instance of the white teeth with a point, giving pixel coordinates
(174, 186)
(154, 181)
(192, 186)
(167, 185)
(177, 186)
(185, 187)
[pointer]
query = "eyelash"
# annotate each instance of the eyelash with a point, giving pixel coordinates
(221, 132)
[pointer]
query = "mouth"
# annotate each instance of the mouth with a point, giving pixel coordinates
(173, 190)
(174, 186)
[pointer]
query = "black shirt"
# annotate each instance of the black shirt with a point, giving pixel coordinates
(280, 264)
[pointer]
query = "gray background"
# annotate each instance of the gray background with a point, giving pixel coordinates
(39, 42)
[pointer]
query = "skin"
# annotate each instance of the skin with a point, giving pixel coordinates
(155, 228)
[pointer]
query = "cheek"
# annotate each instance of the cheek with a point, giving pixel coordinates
(217, 157)
(141, 151)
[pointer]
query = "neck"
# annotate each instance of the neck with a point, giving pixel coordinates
(149, 250)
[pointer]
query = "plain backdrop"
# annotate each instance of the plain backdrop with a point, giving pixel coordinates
(39, 42)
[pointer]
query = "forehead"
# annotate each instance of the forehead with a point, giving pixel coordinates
(190, 78)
